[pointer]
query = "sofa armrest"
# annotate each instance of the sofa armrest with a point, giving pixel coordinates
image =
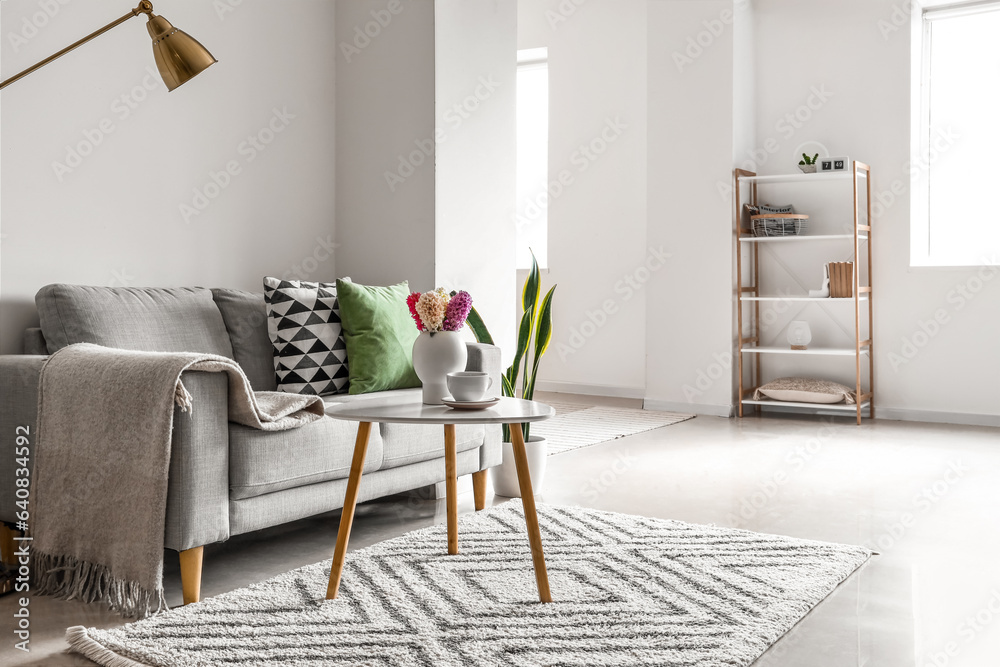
(19, 375)
(483, 357)
(198, 491)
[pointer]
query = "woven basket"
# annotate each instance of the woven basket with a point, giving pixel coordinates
(777, 224)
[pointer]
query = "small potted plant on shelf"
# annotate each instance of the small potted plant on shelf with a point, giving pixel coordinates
(808, 164)
(534, 332)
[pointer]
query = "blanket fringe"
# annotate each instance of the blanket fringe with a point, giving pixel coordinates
(182, 397)
(72, 579)
(80, 641)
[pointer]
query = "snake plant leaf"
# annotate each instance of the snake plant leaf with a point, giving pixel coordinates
(508, 388)
(532, 287)
(523, 340)
(479, 330)
(543, 336)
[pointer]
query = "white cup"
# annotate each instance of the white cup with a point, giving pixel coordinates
(467, 386)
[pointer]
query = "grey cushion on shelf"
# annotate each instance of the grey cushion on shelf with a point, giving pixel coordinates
(245, 316)
(181, 319)
(264, 462)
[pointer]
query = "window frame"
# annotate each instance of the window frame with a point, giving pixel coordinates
(921, 249)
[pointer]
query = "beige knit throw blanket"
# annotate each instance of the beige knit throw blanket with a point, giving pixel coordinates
(99, 490)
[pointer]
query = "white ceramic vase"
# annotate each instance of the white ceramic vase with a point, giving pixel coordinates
(435, 354)
(504, 476)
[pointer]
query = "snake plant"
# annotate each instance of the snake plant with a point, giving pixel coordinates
(534, 335)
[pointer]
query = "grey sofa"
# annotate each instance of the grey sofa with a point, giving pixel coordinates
(227, 479)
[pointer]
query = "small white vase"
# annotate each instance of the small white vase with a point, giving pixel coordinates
(435, 354)
(504, 476)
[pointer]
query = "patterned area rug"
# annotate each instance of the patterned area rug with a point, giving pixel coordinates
(628, 590)
(576, 426)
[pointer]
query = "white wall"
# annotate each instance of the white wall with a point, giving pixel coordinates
(115, 219)
(385, 141)
(475, 91)
(691, 143)
(950, 373)
(597, 222)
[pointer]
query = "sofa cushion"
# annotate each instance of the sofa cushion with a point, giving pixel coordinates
(403, 444)
(380, 334)
(180, 319)
(303, 323)
(246, 321)
(266, 461)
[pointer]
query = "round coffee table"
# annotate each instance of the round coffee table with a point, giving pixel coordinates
(512, 411)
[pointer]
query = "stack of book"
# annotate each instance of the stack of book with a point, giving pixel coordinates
(842, 280)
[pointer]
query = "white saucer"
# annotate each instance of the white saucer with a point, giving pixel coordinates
(470, 405)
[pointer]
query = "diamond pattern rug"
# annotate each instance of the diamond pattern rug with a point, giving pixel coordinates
(627, 590)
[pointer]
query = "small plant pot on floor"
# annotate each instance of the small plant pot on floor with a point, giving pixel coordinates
(504, 476)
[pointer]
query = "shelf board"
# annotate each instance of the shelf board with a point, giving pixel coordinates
(819, 299)
(795, 178)
(829, 351)
(803, 237)
(840, 407)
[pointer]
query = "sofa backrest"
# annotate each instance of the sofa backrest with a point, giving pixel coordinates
(246, 320)
(179, 319)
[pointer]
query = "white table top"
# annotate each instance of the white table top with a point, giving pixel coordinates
(412, 411)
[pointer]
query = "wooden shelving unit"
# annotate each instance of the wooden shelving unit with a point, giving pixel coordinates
(750, 351)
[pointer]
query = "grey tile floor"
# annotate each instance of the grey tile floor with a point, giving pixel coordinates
(926, 496)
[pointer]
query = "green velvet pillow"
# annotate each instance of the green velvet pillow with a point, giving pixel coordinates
(379, 333)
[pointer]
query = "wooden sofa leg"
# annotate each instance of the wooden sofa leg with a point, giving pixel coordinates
(191, 574)
(7, 546)
(479, 489)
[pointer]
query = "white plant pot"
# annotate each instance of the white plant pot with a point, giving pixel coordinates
(504, 476)
(434, 356)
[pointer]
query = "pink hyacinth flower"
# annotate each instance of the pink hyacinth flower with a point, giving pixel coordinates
(457, 311)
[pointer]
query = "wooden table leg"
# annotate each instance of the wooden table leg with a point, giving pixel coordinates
(451, 486)
(530, 513)
(347, 514)
(479, 489)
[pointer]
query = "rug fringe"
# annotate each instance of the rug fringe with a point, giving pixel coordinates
(81, 642)
(72, 579)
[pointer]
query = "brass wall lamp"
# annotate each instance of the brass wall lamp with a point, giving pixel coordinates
(179, 56)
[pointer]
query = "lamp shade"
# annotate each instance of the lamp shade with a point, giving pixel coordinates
(179, 56)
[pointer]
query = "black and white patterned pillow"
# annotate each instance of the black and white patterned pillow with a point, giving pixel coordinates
(303, 323)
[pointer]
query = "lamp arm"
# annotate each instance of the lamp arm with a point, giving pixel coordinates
(144, 7)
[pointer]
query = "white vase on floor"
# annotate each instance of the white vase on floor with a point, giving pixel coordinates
(435, 354)
(504, 476)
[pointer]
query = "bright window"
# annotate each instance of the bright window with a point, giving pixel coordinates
(956, 216)
(532, 209)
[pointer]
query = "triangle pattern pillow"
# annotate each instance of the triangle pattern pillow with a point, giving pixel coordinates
(303, 323)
